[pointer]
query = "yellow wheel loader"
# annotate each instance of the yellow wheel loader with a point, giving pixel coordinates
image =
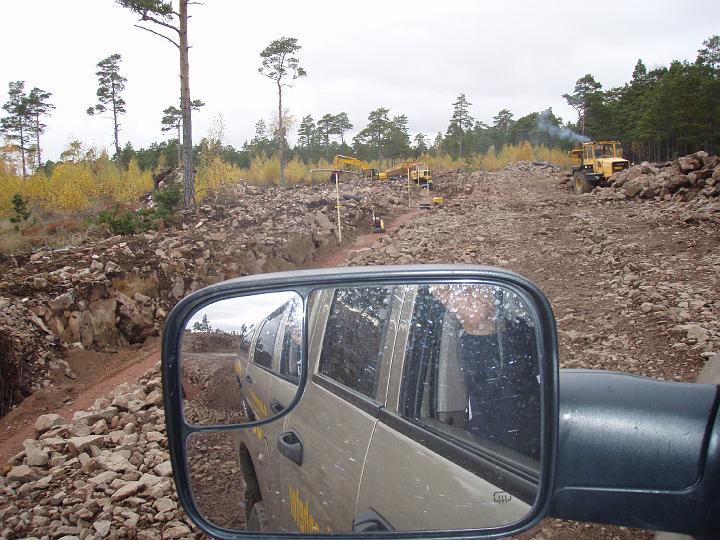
(598, 161)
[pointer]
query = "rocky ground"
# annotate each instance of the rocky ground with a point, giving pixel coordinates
(115, 291)
(633, 283)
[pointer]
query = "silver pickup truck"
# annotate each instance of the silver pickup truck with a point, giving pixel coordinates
(386, 402)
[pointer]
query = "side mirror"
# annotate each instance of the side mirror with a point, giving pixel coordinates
(417, 398)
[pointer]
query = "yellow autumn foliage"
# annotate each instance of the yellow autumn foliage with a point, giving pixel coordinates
(76, 186)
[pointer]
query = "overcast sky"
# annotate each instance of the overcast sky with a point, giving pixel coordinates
(412, 57)
(231, 314)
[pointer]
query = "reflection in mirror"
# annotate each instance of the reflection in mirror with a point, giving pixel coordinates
(421, 412)
(232, 349)
(215, 478)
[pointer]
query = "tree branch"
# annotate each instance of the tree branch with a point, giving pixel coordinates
(146, 17)
(157, 34)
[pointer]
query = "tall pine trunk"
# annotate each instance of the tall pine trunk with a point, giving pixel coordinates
(37, 139)
(188, 180)
(115, 128)
(179, 144)
(22, 150)
(281, 137)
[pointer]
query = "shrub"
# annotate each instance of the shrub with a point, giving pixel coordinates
(20, 211)
(168, 200)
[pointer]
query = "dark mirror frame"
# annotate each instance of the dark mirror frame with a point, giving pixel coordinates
(303, 283)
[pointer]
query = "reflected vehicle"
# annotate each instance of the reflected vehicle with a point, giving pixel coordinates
(445, 373)
(418, 398)
(222, 342)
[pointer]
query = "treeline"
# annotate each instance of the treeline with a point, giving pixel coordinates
(660, 113)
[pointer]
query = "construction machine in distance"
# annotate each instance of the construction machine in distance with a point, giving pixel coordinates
(417, 172)
(362, 168)
(598, 161)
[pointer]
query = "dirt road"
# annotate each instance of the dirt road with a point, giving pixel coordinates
(633, 283)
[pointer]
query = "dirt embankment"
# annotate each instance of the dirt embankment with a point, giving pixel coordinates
(116, 291)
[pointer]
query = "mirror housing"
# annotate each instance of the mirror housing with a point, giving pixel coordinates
(303, 283)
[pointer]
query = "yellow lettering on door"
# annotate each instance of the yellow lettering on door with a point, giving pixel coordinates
(300, 513)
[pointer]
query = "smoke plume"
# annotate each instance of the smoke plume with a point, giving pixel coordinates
(559, 132)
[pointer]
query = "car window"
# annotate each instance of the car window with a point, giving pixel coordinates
(463, 385)
(352, 345)
(291, 357)
(247, 340)
(265, 347)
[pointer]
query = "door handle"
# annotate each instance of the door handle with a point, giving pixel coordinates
(370, 521)
(276, 406)
(290, 445)
(248, 378)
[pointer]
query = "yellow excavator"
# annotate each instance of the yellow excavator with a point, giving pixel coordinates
(351, 165)
(598, 161)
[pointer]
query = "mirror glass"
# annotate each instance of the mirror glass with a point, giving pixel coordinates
(421, 412)
(240, 359)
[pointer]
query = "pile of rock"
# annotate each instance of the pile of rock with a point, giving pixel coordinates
(687, 178)
(117, 291)
(105, 472)
(24, 336)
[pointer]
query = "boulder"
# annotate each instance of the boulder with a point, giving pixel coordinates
(48, 421)
(322, 221)
(62, 302)
(102, 315)
(22, 474)
(689, 163)
(80, 444)
(35, 456)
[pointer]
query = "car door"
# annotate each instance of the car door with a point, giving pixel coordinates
(287, 360)
(350, 353)
(454, 479)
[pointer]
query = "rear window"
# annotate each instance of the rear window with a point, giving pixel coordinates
(352, 346)
(291, 357)
(265, 347)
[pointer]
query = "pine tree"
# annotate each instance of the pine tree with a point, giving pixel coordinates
(38, 106)
(110, 87)
(17, 125)
(278, 63)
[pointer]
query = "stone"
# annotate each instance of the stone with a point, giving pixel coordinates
(22, 474)
(322, 221)
(647, 168)
(35, 456)
(102, 314)
(102, 527)
(48, 421)
(105, 477)
(95, 416)
(76, 445)
(115, 462)
(62, 302)
(165, 504)
(164, 468)
(689, 163)
(178, 288)
(128, 489)
(175, 529)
